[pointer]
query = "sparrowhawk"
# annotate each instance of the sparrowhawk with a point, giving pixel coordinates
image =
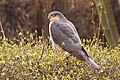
(63, 31)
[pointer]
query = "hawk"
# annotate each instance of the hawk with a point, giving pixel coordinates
(63, 31)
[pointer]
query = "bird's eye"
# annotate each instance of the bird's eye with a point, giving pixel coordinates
(53, 15)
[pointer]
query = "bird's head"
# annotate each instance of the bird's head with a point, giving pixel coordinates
(55, 15)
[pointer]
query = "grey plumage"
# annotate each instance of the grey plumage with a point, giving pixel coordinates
(61, 30)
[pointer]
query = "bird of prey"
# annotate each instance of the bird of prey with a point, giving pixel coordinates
(63, 31)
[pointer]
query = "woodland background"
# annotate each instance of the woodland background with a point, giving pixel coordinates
(30, 15)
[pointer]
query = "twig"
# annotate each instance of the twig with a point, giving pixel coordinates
(43, 43)
(42, 51)
(2, 30)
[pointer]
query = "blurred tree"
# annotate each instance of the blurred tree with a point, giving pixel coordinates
(107, 21)
(46, 4)
(30, 15)
(119, 3)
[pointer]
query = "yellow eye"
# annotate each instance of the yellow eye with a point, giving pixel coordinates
(53, 15)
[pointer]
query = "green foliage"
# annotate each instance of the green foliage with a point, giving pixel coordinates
(24, 62)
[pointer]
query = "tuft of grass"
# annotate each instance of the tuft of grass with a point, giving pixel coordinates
(23, 61)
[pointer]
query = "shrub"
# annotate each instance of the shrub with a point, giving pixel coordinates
(24, 62)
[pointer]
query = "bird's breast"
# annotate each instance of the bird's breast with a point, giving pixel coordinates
(51, 39)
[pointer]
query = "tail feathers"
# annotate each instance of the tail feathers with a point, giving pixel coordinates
(93, 64)
(87, 59)
(85, 52)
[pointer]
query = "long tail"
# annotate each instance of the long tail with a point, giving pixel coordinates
(93, 64)
(87, 59)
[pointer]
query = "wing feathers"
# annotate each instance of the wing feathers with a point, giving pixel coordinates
(61, 32)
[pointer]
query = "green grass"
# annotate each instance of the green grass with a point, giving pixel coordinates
(24, 62)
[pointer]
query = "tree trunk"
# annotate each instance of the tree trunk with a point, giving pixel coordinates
(107, 21)
(119, 3)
